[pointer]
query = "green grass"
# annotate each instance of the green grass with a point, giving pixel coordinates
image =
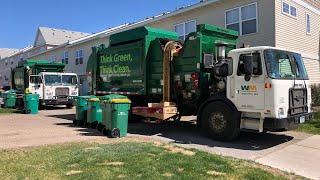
(7, 111)
(128, 160)
(311, 127)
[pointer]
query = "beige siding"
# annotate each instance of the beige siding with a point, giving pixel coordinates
(315, 3)
(312, 66)
(291, 34)
(215, 14)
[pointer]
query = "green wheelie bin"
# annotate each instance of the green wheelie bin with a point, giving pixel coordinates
(94, 115)
(115, 109)
(81, 103)
(31, 103)
(10, 98)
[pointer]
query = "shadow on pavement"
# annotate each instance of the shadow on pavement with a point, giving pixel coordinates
(186, 132)
(84, 131)
(69, 117)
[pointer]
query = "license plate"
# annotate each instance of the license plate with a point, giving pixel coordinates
(302, 119)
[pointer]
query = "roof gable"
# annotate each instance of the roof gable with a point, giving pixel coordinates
(52, 36)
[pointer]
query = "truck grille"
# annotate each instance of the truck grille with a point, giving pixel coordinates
(62, 92)
(298, 102)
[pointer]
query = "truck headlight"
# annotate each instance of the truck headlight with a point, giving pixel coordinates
(49, 93)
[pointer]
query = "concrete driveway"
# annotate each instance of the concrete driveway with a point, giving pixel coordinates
(290, 151)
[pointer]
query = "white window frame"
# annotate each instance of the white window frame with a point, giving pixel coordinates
(308, 31)
(64, 57)
(240, 21)
(184, 27)
(78, 57)
(290, 6)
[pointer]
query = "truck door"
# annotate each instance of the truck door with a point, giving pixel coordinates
(249, 95)
(36, 85)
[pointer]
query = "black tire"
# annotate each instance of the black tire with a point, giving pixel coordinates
(69, 106)
(220, 122)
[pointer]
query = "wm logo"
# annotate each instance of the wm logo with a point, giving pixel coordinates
(249, 88)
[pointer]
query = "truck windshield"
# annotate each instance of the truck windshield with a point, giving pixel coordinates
(69, 80)
(284, 65)
(52, 80)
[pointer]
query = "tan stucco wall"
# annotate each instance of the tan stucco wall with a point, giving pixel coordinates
(215, 14)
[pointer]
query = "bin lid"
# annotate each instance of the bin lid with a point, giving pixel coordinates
(120, 101)
(94, 99)
(113, 96)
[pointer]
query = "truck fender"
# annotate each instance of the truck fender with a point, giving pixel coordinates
(218, 98)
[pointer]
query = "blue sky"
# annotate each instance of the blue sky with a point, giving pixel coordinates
(20, 19)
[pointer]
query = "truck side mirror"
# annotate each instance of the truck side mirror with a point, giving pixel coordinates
(248, 68)
(223, 68)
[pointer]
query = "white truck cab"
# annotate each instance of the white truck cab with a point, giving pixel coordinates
(276, 93)
(55, 88)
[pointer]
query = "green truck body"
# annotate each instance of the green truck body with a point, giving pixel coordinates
(20, 74)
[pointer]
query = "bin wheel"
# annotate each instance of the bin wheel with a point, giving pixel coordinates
(94, 125)
(115, 133)
(177, 118)
(27, 111)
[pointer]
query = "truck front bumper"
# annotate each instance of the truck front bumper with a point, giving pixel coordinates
(62, 101)
(288, 123)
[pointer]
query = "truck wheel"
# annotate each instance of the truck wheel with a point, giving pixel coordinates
(220, 122)
(69, 106)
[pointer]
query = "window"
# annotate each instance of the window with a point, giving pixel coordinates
(185, 28)
(34, 79)
(242, 19)
(308, 23)
(289, 9)
(284, 65)
(79, 57)
(256, 64)
(52, 58)
(65, 57)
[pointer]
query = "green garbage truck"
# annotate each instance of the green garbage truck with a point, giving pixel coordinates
(228, 89)
(48, 80)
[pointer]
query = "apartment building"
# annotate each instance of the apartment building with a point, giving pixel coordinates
(46, 38)
(289, 24)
